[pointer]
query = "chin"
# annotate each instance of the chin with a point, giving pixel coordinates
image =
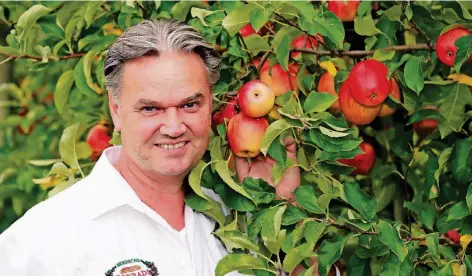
(173, 167)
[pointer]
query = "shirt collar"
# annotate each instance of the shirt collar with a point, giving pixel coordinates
(114, 191)
(111, 188)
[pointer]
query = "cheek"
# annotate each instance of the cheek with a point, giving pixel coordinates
(199, 124)
(142, 128)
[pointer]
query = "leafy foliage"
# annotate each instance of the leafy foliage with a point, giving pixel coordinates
(391, 221)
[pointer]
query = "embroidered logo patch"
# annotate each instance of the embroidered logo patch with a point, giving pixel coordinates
(133, 267)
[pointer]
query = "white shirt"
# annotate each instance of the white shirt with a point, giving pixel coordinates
(100, 225)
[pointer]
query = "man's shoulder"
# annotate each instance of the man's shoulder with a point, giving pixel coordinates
(64, 210)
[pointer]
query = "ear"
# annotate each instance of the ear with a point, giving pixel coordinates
(115, 112)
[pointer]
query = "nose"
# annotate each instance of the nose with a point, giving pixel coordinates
(172, 125)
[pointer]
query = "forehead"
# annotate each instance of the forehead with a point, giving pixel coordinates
(168, 75)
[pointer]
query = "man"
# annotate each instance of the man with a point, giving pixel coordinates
(128, 217)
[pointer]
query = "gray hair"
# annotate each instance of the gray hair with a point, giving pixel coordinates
(152, 37)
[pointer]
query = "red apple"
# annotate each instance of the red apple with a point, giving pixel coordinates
(445, 48)
(247, 30)
(395, 92)
(368, 82)
(362, 162)
(255, 99)
(427, 126)
(345, 12)
(355, 112)
(226, 113)
(245, 135)
(304, 41)
(326, 85)
(280, 81)
(454, 236)
(98, 139)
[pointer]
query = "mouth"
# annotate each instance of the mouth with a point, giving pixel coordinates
(171, 146)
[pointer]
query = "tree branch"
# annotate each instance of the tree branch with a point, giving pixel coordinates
(334, 52)
(360, 53)
(39, 58)
(423, 34)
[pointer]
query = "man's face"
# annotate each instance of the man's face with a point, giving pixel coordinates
(165, 113)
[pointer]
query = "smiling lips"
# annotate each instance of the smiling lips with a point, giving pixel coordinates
(171, 146)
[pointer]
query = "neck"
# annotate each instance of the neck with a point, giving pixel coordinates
(165, 195)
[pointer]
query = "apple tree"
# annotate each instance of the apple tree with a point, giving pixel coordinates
(375, 95)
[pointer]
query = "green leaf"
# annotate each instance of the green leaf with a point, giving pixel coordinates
(423, 114)
(446, 270)
(29, 17)
(362, 202)
(195, 177)
(365, 26)
(432, 242)
(271, 231)
(390, 237)
(232, 262)
(318, 102)
(460, 161)
(464, 50)
(306, 198)
(274, 130)
(197, 203)
(313, 231)
(67, 148)
(222, 168)
(63, 86)
(201, 14)
(282, 52)
(180, 9)
(332, 133)
(258, 17)
(394, 13)
(304, 7)
(261, 191)
(408, 12)
(328, 24)
(329, 252)
(414, 75)
(452, 108)
(458, 211)
(84, 151)
(382, 55)
(468, 198)
(394, 267)
(255, 44)
(255, 223)
(237, 19)
(293, 215)
(80, 79)
(237, 240)
(88, 61)
(426, 212)
(278, 152)
(358, 266)
(90, 12)
(295, 256)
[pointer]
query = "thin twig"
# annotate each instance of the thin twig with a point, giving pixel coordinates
(423, 34)
(359, 53)
(334, 52)
(259, 67)
(39, 58)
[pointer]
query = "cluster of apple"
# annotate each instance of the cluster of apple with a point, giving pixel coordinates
(246, 128)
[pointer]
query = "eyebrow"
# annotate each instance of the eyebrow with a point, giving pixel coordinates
(144, 102)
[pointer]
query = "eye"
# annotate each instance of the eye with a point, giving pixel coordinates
(149, 109)
(192, 105)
